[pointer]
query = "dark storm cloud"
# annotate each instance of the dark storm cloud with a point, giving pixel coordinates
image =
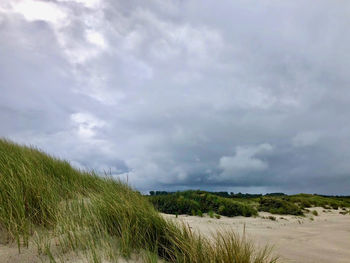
(241, 96)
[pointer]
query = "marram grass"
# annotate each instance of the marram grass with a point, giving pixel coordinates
(61, 210)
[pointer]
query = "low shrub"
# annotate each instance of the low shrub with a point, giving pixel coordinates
(189, 202)
(171, 204)
(278, 206)
(305, 204)
(327, 202)
(334, 206)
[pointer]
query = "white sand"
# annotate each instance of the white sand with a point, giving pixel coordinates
(296, 239)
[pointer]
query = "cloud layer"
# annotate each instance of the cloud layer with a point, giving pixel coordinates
(239, 96)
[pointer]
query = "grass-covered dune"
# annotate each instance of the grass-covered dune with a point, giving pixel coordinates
(196, 202)
(46, 203)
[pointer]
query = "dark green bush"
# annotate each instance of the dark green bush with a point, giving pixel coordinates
(189, 202)
(305, 204)
(334, 206)
(172, 204)
(278, 206)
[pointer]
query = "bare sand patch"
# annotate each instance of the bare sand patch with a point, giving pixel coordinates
(311, 239)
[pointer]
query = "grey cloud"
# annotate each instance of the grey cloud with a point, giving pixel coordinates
(184, 94)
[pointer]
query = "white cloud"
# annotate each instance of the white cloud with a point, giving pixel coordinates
(86, 3)
(87, 124)
(39, 10)
(165, 40)
(62, 19)
(96, 38)
(307, 138)
(244, 161)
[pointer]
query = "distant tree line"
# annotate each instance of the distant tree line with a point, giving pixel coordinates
(221, 194)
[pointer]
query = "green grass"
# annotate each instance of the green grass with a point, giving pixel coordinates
(62, 210)
(187, 201)
(308, 200)
(276, 205)
(223, 203)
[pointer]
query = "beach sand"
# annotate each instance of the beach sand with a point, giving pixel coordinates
(311, 239)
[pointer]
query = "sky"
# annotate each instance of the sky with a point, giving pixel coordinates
(242, 96)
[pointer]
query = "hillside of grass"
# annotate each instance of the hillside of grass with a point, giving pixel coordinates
(195, 202)
(59, 209)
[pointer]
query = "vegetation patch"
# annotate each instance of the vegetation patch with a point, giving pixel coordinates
(278, 206)
(327, 202)
(231, 204)
(188, 201)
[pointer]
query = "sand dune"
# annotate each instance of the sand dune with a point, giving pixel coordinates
(324, 239)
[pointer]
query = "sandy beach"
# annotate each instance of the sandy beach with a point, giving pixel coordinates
(311, 239)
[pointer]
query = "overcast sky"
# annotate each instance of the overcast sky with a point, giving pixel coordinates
(250, 96)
